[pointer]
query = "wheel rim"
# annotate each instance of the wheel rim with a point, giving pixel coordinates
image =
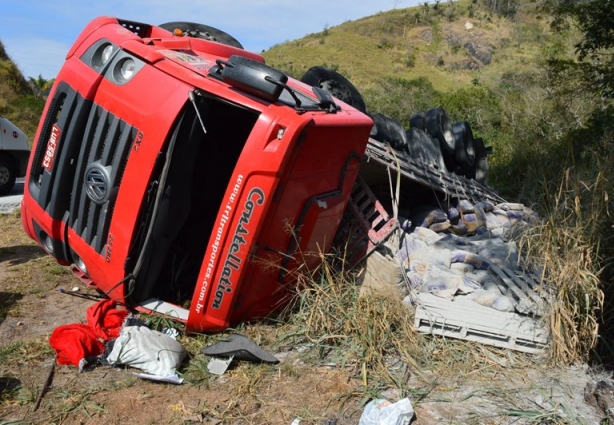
(326, 78)
(5, 175)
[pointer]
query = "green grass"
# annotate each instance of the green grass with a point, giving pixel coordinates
(22, 352)
(387, 40)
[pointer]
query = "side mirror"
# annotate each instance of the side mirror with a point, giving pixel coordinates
(252, 76)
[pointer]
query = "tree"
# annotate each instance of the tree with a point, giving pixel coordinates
(590, 171)
(399, 98)
(595, 50)
(41, 85)
(506, 8)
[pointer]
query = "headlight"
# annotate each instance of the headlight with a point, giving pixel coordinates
(80, 264)
(123, 68)
(107, 52)
(127, 68)
(100, 55)
(48, 243)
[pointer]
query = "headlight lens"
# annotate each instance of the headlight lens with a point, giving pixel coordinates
(80, 264)
(106, 54)
(127, 69)
(100, 55)
(48, 242)
(124, 67)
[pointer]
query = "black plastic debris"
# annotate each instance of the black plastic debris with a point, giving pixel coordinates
(242, 348)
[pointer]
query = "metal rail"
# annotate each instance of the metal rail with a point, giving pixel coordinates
(429, 175)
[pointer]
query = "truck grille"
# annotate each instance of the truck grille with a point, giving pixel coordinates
(52, 188)
(89, 135)
(106, 143)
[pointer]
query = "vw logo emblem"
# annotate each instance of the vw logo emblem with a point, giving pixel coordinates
(97, 184)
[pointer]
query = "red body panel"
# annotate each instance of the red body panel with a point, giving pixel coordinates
(282, 202)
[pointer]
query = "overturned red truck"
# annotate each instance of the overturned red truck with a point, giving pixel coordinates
(179, 174)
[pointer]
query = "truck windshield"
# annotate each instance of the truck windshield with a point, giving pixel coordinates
(204, 156)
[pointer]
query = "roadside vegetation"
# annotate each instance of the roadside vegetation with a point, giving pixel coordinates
(532, 79)
(18, 101)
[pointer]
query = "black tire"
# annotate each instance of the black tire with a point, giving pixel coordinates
(481, 161)
(7, 174)
(389, 130)
(439, 127)
(464, 148)
(205, 32)
(424, 149)
(336, 84)
(417, 120)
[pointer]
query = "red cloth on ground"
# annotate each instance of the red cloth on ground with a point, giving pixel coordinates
(75, 342)
(105, 319)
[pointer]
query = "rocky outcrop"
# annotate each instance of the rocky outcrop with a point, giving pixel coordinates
(481, 53)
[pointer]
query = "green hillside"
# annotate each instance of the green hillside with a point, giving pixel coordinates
(466, 56)
(451, 45)
(17, 100)
(483, 62)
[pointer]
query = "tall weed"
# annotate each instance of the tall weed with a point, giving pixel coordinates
(364, 333)
(573, 246)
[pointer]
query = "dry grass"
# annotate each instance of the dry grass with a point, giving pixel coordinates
(338, 314)
(368, 343)
(569, 248)
(374, 339)
(340, 350)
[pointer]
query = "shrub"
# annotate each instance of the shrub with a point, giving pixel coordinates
(399, 98)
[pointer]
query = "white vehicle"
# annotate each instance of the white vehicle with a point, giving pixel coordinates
(14, 153)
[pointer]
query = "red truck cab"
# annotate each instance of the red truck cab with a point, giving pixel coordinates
(186, 177)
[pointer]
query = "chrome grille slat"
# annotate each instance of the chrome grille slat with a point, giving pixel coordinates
(107, 140)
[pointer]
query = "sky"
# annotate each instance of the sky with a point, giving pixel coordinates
(36, 34)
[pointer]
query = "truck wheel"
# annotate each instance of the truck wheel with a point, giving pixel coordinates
(464, 146)
(389, 130)
(205, 32)
(417, 121)
(439, 127)
(336, 84)
(7, 175)
(424, 149)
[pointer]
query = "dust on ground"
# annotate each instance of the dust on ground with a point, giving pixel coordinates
(31, 306)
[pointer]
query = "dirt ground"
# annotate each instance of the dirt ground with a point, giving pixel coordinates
(31, 306)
